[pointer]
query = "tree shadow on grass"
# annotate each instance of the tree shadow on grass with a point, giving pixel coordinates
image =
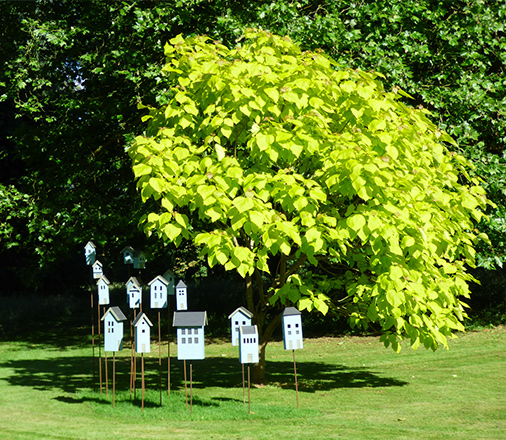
(74, 373)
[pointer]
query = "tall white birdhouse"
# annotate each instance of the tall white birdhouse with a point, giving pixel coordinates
(181, 296)
(113, 329)
(128, 255)
(103, 290)
(135, 296)
(238, 318)
(142, 326)
(190, 334)
(248, 344)
(97, 269)
(292, 328)
(171, 287)
(139, 260)
(90, 253)
(158, 292)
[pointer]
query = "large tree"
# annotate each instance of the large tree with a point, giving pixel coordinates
(314, 183)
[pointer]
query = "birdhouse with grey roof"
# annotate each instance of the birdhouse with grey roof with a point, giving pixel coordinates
(190, 334)
(171, 287)
(292, 328)
(158, 292)
(238, 318)
(113, 329)
(248, 344)
(97, 269)
(142, 326)
(90, 253)
(135, 296)
(128, 255)
(103, 290)
(139, 260)
(181, 296)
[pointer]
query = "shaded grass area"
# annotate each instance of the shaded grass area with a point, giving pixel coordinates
(349, 388)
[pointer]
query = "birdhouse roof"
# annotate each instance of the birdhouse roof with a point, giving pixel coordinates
(116, 312)
(134, 280)
(104, 279)
(127, 249)
(290, 311)
(242, 310)
(189, 319)
(139, 254)
(181, 284)
(168, 273)
(159, 278)
(139, 318)
(248, 330)
(97, 263)
(90, 244)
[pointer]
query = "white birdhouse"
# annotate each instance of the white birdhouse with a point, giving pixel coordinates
(158, 292)
(238, 318)
(128, 255)
(135, 296)
(190, 334)
(139, 260)
(113, 329)
(90, 253)
(292, 329)
(248, 344)
(98, 270)
(181, 296)
(142, 326)
(103, 290)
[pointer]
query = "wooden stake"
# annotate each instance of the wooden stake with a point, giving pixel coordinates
(191, 390)
(106, 378)
(159, 358)
(143, 384)
(168, 349)
(249, 393)
(92, 333)
(243, 388)
(296, 384)
(185, 388)
(131, 359)
(99, 349)
(113, 379)
(134, 380)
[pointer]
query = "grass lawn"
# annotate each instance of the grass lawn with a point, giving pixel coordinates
(349, 388)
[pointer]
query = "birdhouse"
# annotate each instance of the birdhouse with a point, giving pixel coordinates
(158, 292)
(97, 269)
(132, 281)
(142, 326)
(128, 255)
(292, 328)
(139, 260)
(181, 296)
(103, 290)
(240, 317)
(248, 344)
(190, 334)
(90, 253)
(135, 296)
(113, 329)
(171, 287)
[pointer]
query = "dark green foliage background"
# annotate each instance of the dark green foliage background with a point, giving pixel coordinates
(73, 72)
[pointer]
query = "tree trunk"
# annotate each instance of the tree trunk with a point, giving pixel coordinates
(265, 338)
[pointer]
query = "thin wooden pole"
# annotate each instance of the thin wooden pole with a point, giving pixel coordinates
(296, 383)
(99, 349)
(249, 388)
(143, 384)
(106, 378)
(113, 379)
(159, 358)
(92, 333)
(243, 388)
(131, 359)
(168, 349)
(185, 388)
(134, 360)
(191, 389)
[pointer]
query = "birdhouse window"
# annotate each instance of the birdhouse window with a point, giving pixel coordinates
(183, 331)
(236, 322)
(183, 340)
(189, 340)
(196, 340)
(244, 323)
(289, 325)
(143, 330)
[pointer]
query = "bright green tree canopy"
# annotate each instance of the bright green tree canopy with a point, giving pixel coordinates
(265, 153)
